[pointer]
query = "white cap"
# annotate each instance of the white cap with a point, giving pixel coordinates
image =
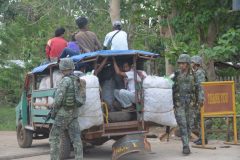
(117, 23)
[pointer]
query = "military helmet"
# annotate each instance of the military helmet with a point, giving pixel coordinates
(66, 64)
(196, 60)
(184, 58)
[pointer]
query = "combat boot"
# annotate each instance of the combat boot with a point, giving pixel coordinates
(195, 141)
(186, 150)
(199, 142)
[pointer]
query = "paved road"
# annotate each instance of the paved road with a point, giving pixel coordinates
(160, 151)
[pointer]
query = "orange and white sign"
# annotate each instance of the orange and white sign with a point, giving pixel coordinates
(219, 97)
(219, 101)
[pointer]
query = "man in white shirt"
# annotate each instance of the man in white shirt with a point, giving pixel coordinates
(117, 39)
(126, 97)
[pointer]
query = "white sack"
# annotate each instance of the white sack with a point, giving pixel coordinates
(157, 82)
(158, 102)
(57, 76)
(90, 114)
(45, 84)
(91, 81)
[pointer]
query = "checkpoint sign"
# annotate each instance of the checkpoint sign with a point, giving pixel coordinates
(219, 101)
(219, 97)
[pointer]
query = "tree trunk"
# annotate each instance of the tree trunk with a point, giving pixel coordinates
(167, 32)
(114, 10)
(212, 35)
(169, 67)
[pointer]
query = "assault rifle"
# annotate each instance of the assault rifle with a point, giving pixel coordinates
(51, 115)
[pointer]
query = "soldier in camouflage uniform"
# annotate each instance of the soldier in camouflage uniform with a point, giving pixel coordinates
(196, 62)
(184, 99)
(69, 96)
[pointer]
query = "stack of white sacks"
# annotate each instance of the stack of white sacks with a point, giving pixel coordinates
(158, 102)
(90, 114)
(45, 84)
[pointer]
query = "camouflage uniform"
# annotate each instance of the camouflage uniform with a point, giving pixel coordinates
(184, 98)
(200, 77)
(66, 108)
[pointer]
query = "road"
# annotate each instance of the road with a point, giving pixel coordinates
(160, 151)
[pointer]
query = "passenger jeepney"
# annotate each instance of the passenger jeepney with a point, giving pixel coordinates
(128, 134)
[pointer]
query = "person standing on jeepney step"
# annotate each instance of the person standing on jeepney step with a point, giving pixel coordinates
(87, 40)
(116, 39)
(196, 62)
(69, 96)
(185, 94)
(56, 45)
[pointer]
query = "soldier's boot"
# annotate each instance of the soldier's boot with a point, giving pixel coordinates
(195, 141)
(199, 142)
(186, 150)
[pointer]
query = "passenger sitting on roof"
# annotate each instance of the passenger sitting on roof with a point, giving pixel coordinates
(72, 48)
(126, 97)
(86, 39)
(56, 45)
(116, 39)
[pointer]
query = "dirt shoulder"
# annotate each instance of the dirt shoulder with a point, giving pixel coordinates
(160, 150)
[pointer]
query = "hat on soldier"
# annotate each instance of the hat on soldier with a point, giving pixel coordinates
(196, 60)
(66, 64)
(184, 58)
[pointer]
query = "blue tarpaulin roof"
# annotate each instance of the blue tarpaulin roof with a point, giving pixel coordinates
(102, 53)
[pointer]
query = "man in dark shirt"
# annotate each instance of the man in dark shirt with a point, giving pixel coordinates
(56, 45)
(86, 39)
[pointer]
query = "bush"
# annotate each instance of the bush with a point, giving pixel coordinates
(11, 83)
(7, 118)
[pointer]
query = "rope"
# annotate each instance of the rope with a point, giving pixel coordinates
(104, 105)
(159, 112)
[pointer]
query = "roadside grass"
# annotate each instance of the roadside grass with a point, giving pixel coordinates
(7, 118)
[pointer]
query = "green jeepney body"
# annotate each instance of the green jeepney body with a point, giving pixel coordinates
(29, 116)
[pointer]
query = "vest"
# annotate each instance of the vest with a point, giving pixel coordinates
(185, 87)
(69, 101)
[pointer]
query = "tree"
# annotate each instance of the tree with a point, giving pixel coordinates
(114, 10)
(166, 27)
(197, 26)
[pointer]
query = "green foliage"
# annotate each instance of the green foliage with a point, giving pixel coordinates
(238, 104)
(228, 72)
(191, 20)
(11, 83)
(26, 25)
(227, 48)
(7, 118)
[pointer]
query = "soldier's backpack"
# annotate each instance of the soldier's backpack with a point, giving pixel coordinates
(82, 91)
(80, 97)
(75, 96)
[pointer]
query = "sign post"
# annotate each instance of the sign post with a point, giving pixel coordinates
(219, 102)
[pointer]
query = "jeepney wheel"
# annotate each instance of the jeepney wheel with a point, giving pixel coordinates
(65, 146)
(24, 136)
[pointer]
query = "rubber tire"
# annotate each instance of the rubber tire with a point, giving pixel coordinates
(121, 116)
(65, 146)
(24, 136)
